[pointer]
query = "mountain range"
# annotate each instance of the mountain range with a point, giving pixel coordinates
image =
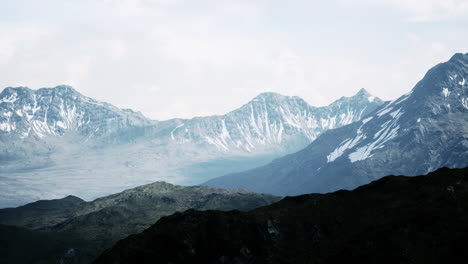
(395, 219)
(56, 142)
(414, 134)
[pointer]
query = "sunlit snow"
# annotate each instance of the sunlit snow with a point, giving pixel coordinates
(445, 92)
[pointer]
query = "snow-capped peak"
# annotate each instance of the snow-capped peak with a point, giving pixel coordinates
(273, 120)
(53, 111)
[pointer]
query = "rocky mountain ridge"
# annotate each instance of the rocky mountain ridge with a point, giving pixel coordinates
(414, 134)
(54, 111)
(265, 120)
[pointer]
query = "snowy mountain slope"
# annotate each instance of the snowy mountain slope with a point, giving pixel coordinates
(54, 111)
(271, 119)
(56, 142)
(414, 134)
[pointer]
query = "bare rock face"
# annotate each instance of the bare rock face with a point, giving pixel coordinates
(395, 219)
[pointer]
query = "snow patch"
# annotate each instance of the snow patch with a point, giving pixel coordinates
(464, 102)
(216, 142)
(173, 130)
(445, 92)
(462, 83)
(224, 132)
(7, 126)
(346, 118)
(11, 99)
(364, 121)
(28, 116)
(347, 144)
(91, 101)
(280, 132)
(371, 98)
(366, 151)
(40, 128)
(70, 117)
(396, 114)
(61, 124)
(384, 111)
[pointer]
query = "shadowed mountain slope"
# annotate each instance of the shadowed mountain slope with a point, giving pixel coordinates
(90, 227)
(395, 219)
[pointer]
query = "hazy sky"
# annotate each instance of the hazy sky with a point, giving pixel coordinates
(176, 58)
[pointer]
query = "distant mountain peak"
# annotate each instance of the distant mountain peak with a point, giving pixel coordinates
(12, 90)
(360, 96)
(64, 88)
(363, 92)
(270, 96)
(444, 82)
(273, 96)
(54, 111)
(459, 57)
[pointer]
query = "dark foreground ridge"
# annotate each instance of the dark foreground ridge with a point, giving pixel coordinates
(70, 230)
(396, 219)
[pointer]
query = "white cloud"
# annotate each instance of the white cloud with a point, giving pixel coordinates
(176, 58)
(78, 69)
(136, 8)
(14, 37)
(423, 10)
(118, 49)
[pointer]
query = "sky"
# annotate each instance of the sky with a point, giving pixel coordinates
(186, 58)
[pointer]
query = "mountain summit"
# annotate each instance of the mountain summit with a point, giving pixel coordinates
(54, 111)
(417, 133)
(271, 120)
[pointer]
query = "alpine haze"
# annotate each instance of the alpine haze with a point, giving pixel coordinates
(56, 142)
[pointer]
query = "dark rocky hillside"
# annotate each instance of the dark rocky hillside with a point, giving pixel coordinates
(395, 219)
(21, 245)
(87, 228)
